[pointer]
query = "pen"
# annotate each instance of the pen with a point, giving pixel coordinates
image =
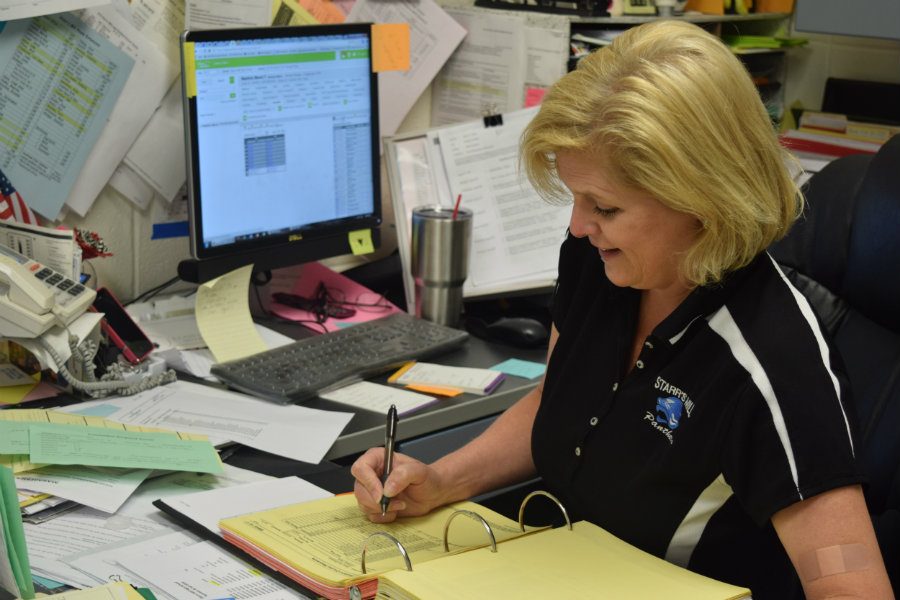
(390, 434)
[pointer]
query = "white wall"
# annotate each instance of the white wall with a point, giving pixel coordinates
(140, 263)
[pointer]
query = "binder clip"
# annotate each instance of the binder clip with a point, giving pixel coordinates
(492, 118)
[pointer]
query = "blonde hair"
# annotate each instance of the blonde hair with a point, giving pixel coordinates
(675, 114)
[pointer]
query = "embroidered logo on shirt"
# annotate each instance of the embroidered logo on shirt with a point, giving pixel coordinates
(669, 409)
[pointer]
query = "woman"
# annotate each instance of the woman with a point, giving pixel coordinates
(691, 405)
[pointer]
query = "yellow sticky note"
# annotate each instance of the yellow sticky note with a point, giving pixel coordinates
(13, 394)
(361, 241)
(434, 389)
(190, 70)
(390, 47)
(223, 316)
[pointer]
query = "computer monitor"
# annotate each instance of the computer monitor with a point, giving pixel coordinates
(281, 130)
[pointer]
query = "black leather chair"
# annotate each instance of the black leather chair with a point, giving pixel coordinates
(844, 255)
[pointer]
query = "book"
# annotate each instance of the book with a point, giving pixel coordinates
(443, 379)
(824, 145)
(330, 548)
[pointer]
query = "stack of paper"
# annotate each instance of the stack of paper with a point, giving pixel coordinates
(447, 381)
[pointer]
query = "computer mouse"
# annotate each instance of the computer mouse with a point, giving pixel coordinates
(518, 331)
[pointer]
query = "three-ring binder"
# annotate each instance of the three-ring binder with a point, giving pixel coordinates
(469, 513)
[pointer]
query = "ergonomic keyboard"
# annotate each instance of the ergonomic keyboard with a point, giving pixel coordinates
(301, 370)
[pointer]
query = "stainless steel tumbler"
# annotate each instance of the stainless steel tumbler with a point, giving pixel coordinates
(440, 261)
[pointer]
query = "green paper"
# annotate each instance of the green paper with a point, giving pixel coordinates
(101, 447)
(13, 437)
(14, 534)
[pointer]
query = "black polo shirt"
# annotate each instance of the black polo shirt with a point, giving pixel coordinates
(734, 410)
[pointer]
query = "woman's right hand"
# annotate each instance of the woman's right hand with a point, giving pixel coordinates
(413, 487)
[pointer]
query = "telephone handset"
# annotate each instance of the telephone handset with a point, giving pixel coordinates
(34, 297)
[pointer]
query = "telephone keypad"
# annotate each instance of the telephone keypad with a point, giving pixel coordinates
(43, 273)
(65, 284)
(54, 279)
(76, 290)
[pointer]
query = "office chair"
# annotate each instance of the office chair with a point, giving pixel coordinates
(844, 256)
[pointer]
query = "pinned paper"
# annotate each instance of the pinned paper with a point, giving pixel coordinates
(361, 241)
(190, 70)
(390, 47)
(223, 316)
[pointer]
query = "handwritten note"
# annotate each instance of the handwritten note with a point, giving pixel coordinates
(378, 398)
(223, 316)
(390, 47)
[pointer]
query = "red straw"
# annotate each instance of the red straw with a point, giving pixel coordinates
(456, 207)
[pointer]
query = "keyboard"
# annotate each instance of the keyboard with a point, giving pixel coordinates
(303, 369)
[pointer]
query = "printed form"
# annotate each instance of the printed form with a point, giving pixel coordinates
(58, 85)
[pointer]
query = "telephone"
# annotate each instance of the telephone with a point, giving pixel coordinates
(34, 297)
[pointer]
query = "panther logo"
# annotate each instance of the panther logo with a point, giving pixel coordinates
(668, 411)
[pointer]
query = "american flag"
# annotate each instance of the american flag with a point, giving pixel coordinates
(12, 207)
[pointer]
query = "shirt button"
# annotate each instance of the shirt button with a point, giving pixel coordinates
(639, 364)
(615, 386)
(649, 345)
(577, 450)
(594, 421)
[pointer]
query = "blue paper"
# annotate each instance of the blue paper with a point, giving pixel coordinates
(521, 368)
(59, 80)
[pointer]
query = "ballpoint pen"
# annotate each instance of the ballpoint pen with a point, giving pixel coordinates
(390, 434)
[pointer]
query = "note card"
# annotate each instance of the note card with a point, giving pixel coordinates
(223, 316)
(378, 398)
(467, 379)
(74, 445)
(521, 368)
(390, 47)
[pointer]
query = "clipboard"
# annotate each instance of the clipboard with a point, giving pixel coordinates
(516, 235)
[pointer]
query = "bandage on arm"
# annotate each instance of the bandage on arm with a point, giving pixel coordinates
(834, 560)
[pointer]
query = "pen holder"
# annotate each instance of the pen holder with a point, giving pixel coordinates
(440, 261)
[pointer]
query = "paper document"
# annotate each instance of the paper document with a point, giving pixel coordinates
(23, 9)
(205, 571)
(223, 316)
(219, 14)
(160, 21)
(296, 432)
(132, 186)
(379, 398)
(324, 538)
(102, 564)
(158, 153)
(468, 379)
(55, 248)
(27, 417)
(434, 36)
(516, 235)
(53, 115)
(70, 444)
(98, 487)
(486, 75)
(210, 507)
(146, 85)
(81, 530)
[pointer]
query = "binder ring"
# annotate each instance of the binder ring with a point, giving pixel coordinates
(542, 493)
(474, 515)
(400, 549)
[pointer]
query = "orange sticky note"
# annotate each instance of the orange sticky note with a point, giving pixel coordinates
(435, 390)
(390, 47)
